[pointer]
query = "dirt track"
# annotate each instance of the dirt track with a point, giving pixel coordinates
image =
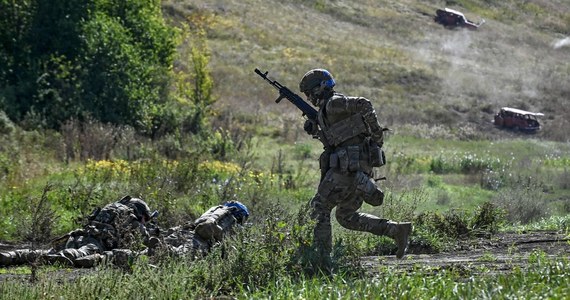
(498, 254)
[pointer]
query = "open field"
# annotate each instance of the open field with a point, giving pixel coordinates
(491, 207)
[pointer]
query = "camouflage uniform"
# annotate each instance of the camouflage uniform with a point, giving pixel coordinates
(349, 129)
(196, 238)
(113, 227)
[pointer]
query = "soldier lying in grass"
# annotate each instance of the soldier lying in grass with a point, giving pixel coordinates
(111, 230)
(117, 225)
(193, 239)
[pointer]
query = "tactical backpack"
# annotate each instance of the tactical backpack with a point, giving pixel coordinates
(215, 223)
(111, 224)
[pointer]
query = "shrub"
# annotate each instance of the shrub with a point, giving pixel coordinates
(487, 218)
(523, 200)
(6, 125)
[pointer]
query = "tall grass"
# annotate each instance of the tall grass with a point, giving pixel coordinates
(274, 254)
(544, 279)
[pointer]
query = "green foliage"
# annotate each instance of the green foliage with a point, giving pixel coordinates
(544, 278)
(561, 223)
(436, 231)
(466, 163)
(195, 87)
(93, 58)
(487, 218)
(523, 200)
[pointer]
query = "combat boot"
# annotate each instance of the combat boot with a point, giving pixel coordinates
(5, 259)
(57, 258)
(400, 232)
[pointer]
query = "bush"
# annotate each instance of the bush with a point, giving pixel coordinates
(523, 201)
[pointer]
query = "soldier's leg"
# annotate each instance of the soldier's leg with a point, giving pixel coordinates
(322, 232)
(348, 216)
(118, 257)
(333, 189)
(322, 235)
(70, 256)
(82, 251)
(92, 260)
(20, 257)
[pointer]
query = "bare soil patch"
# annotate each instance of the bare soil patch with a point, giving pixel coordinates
(500, 253)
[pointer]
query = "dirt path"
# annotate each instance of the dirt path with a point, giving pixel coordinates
(498, 254)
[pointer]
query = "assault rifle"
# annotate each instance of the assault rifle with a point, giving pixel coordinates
(284, 92)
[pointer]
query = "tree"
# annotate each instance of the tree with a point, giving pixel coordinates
(63, 59)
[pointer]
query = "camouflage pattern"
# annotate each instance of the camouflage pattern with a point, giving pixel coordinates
(21, 256)
(215, 223)
(353, 138)
(117, 225)
(196, 238)
(183, 241)
(103, 240)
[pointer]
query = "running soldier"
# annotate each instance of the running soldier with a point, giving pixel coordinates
(349, 129)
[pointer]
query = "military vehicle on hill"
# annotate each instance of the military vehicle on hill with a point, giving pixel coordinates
(517, 119)
(452, 19)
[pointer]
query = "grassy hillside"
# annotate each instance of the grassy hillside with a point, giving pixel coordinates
(414, 70)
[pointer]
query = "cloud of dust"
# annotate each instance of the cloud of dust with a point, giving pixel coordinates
(481, 68)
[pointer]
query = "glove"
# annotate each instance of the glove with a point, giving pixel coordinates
(378, 136)
(311, 127)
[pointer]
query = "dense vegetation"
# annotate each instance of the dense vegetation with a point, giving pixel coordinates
(159, 100)
(62, 60)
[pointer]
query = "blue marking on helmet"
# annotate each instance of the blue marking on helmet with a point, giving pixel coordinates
(242, 210)
(330, 83)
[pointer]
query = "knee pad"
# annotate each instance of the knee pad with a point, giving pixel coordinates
(368, 190)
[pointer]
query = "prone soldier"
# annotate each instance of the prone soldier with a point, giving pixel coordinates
(198, 237)
(115, 226)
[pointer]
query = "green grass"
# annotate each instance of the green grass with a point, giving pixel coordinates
(544, 279)
(437, 89)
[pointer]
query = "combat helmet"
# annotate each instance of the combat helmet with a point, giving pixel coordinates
(140, 207)
(315, 82)
(239, 211)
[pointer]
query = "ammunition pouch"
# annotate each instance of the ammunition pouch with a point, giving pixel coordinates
(357, 157)
(377, 156)
(324, 163)
(347, 159)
